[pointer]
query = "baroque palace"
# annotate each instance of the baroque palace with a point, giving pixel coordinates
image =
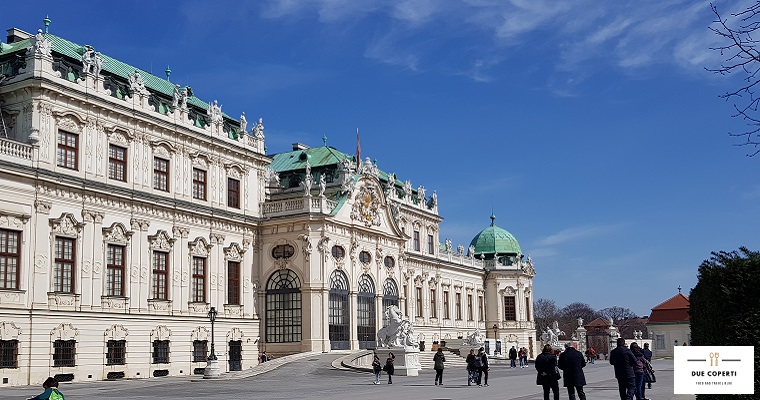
(129, 208)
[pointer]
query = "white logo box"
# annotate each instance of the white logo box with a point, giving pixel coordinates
(714, 370)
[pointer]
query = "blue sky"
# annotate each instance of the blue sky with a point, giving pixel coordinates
(591, 128)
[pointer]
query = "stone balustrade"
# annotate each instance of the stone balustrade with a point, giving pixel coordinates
(298, 205)
(15, 149)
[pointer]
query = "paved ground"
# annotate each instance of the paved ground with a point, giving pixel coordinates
(315, 377)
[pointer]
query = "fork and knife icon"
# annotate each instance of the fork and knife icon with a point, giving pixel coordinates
(714, 357)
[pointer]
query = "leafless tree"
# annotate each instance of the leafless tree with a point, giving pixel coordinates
(545, 312)
(570, 313)
(617, 313)
(741, 55)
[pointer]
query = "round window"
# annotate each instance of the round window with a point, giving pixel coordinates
(283, 251)
(389, 262)
(365, 257)
(338, 252)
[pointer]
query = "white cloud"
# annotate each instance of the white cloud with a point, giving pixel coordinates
(575, 234)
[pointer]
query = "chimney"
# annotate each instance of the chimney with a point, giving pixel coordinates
(17, 35)
(300, 146)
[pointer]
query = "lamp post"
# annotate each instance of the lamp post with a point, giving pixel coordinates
(212, 368)
(495, 337)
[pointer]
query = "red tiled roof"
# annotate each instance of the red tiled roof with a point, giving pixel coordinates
(675, 309)
(599, 322)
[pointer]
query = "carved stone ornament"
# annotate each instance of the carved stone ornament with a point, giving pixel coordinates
(180, 231)
(233, 171)
(139, 224)
(161, 241)
(64, 331)
(116, 332)
(66, 225)
(200, 333)
(162, 332)
(43, 206)
(199, 247)
(216, 238)
(92, 215)
(136, 84)
(12, 221)
(215, 112)
(162, 149)
(39, 45)
(508, 291)
(9, 331)
(234, 252)
(281, 263)
(117, 233)
(119, 135)
(366, 207)
(235, 334)
(68, 123)
(199, 160)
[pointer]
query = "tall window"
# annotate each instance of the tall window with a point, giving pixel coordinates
(418, 295)
(469, 307)
(481, 309)
(160, 275)
(366, 330)
(116, 352)
(283, 308)
(68, 150)
(199, 184)
(10, 253)
(430, 244)
(117, 163)
(446, 313)
(233, 193)
(510, 313)
(64, 353)
(458, 305)
(198, 291)
(433, 310)
(659, 342)
(416, 238)
(160, 174)
(8, 354)
(406, 300)
(339, 318)
(114, 270)
(65, 255)
(160, 352)
(527, 308)
(200, 349)
(233, 282)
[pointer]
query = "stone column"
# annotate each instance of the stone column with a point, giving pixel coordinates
(42, 256)
(354, 313)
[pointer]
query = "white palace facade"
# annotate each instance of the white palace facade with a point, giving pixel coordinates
(129, 208)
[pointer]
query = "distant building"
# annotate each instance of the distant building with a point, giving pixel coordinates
(597, 335)
(669, 325)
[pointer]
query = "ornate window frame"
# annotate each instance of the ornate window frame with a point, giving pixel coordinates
(163, 243)
(117, 235)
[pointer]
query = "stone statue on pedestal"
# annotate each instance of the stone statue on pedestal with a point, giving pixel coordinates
(398, 333)
(476, 338)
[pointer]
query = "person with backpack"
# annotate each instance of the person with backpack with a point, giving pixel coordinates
(376, 368)
(51, 391)
(438, 360)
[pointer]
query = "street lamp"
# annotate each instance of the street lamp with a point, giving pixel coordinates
(212, 368)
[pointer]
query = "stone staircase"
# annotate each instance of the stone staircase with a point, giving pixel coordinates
(452, 360)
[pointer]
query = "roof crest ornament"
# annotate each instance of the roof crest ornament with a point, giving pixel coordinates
(136, 84)
(215, 112)
(40, 46)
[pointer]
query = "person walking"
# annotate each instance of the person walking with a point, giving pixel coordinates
(471, 367)
(571, 362)
(376, 368)
(520, 355)
(438, 360)
(51, 391)
(512, 357)
(389, 367)
(638, 371)
(547, 373)
(525, 357)
(483, 373)
(623, 360)
(648, 377)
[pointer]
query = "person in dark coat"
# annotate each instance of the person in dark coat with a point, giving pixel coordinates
(512, 357)
(571, 362)
(438, 360)
(623, 360)
(472, 369)
(648, 356)
(546, 362)
(389, 368)
(483, 373)
(638, 371)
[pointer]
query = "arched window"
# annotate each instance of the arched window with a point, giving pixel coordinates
(390, 295)
(283, 307)
(339, 317)
(365, 320)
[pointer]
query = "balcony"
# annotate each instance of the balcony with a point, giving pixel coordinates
(15, 151)
(300, 205)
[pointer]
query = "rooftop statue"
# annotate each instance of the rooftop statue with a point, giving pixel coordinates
(88, 60)
(136, 84)
(243, 122)
(398, 333)
(40, 46)
(258, 129)
(215, 112)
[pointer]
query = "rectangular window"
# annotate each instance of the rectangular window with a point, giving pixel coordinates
(199, 184)
(68, 150)
(659, 342)
(200, 350)
(430, 244)
(160, 352)
(446, 313)
(418, 311)
(115, 270)
(117, 163)
(527, 308)
(10, 254)
(433, 311)
(198, 291)
(510, 313)
(8, 354)
(458, 305)
(406, 300)
(416, 243)
(481, 309)
(65, 257)
(116, 353)
(160, 174)
(233, 193)
(233, 283)
(160, 275)
(64, 353)
(469, 307)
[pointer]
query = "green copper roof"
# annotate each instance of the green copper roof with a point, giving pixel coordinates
(494, 240)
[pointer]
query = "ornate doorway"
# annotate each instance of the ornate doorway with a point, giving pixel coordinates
(339, 317)
(365, 321)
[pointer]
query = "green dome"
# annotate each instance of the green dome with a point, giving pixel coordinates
(494, 240)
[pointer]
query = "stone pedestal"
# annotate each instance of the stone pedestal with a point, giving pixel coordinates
(407, 362)
(212, 370)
